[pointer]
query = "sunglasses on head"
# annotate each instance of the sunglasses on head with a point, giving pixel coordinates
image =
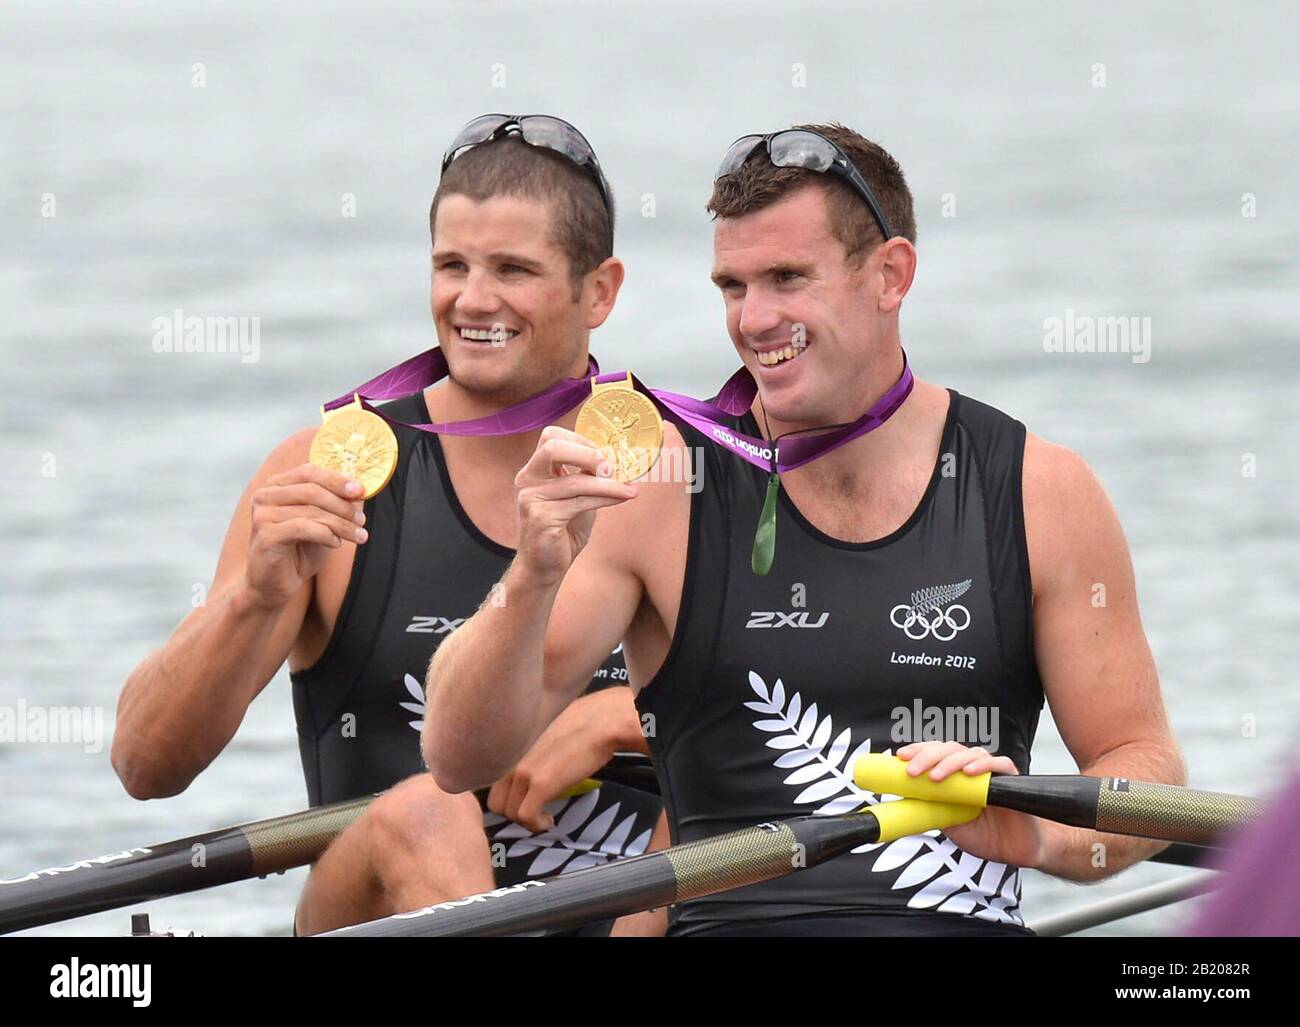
(541, 130)
(800, 148)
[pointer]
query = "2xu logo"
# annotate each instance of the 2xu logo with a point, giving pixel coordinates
(779, 619)
(434, 625)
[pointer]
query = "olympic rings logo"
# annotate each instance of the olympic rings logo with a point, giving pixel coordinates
(941, 624)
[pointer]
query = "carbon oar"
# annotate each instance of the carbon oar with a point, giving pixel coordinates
(206, 860)
(187, 864)
(1114, 804)
(676, 874)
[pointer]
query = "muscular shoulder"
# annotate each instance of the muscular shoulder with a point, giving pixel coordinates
(1055, 476)
(1070, 525)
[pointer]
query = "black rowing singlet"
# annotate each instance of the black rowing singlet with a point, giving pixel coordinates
(773, 686)
(423, 571)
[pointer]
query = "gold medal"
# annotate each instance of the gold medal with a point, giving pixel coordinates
(358, 444)
(625, 425)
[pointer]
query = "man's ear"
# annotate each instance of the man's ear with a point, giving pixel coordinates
(600, 289)
(897, 262)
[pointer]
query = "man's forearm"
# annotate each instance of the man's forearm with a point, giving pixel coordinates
(484, 686)
(1078, 854)
(184, 702)
(634, 739)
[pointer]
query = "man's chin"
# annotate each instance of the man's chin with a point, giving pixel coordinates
(499, 383)
(481, 372)
(789, 404)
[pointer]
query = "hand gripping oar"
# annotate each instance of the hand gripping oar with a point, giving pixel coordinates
(629, 769)
(1114, 804)
(676, 874)
(185, 865)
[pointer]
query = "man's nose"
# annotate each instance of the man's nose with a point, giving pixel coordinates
(758, 316)
(477, 294)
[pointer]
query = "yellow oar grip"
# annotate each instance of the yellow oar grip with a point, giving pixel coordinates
(887, 775)
(903, 817)
(584, 786)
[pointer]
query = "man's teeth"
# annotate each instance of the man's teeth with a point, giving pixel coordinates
(778, 356)
(486, 334)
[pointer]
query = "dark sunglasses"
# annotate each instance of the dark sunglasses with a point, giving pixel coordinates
(799, 148)
(536, 130)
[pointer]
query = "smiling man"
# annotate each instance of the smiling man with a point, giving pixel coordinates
(929, 552)
(523, 271)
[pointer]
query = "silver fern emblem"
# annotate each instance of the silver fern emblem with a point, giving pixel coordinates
(933, 597)
(584, 835)
(944, 877)
(820, 767)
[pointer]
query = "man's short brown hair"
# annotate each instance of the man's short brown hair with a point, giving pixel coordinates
(580, 224)
(758, 183)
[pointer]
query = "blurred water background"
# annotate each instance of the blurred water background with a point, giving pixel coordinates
(1128, 198)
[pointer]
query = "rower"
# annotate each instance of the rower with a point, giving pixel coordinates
(358, 596)
(903, 519)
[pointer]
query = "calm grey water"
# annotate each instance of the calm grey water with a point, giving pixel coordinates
(1119, 199)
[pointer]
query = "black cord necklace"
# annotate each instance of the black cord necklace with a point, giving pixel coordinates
(764, 551)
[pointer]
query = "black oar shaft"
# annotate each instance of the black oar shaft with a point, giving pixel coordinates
(206, 860)
(1184, 854)
(172, 868)
(655, 879)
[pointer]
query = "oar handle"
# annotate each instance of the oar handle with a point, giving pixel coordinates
(887, 775)
(904, 817)
(629, 769)
(587, 784)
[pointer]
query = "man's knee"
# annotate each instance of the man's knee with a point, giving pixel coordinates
(413, 844)
(415, 810)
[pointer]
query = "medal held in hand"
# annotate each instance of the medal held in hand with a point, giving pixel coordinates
(358, 444)
(625, 425)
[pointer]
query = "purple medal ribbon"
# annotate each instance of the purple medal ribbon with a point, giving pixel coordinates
(734, 399)
(430, 367)
(737, 396)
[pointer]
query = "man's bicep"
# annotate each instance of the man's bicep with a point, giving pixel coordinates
(1096, 665)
